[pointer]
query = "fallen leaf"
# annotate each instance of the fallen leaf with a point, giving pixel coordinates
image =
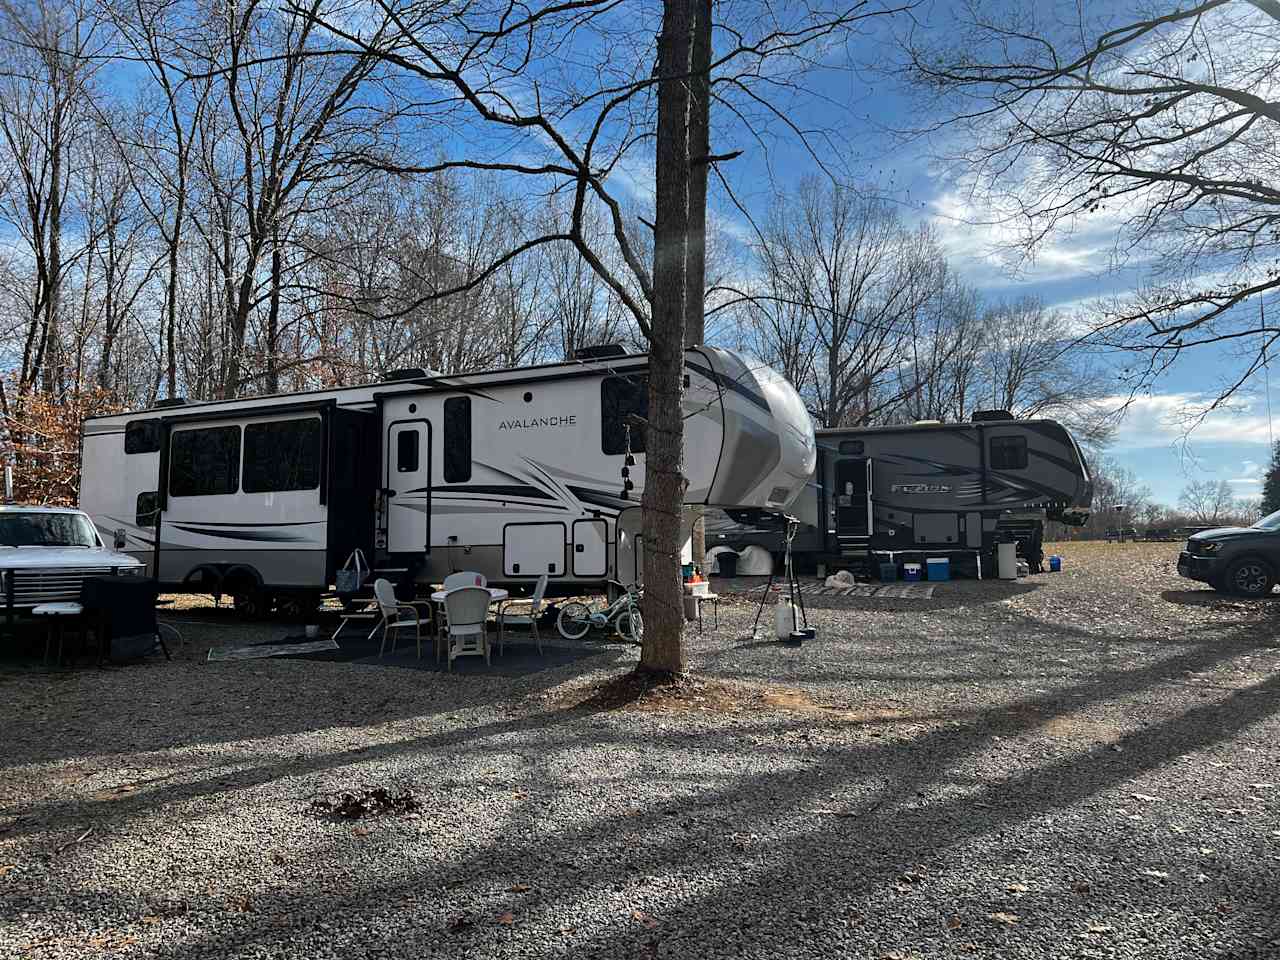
(150, 920)
(1017, 888)
(1081, 887)
(6, 867)
(243, 904)
(954, 923)
(1001, 917)
(278, 859)
(1226, 908)
(506, 919)
(1100, 928)
(1146, 797)
(644, 918)
(565, 931)
(459, 921)
(1156, 874)
(1207, 851)
(519, 888)
(360, 832)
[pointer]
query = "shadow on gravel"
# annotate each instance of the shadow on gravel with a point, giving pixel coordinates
(814, 837)
(1214, 599)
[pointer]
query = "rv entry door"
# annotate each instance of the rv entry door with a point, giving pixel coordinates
(408, 486)
(853, 497)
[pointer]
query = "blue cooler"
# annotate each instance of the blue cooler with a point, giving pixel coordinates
(888, 572)
(911, 571)
(1055, 564)
(939, 568)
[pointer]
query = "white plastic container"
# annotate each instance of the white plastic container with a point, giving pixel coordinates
(1007, 561)
(784, 618)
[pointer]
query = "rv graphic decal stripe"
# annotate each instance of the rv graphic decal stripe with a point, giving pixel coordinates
(251, 535)
(729, 383)
(612, 501)
(493, 490)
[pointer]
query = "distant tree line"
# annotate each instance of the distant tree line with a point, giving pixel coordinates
(208, 201)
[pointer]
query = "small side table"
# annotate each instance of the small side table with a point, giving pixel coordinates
(58, 613)
(714, 598)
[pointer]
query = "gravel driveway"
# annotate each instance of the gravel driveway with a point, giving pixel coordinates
(1082, 764)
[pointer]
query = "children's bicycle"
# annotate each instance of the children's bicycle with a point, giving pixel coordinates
(622, 616)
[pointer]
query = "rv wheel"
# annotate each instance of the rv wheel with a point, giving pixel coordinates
(254, 605)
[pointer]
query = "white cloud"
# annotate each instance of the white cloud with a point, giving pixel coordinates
(1162, 420)
(1249, 478)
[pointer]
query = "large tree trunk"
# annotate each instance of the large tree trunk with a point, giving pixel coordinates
(663, 651)
(695, 279)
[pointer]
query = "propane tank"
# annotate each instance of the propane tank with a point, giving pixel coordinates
(784, 618)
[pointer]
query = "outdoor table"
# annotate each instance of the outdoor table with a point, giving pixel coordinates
(496, 595)
(55, 614)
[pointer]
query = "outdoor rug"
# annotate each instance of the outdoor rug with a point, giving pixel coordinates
(286, 648)
(907, 591)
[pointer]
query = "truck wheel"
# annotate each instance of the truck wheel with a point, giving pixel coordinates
(1250, 577)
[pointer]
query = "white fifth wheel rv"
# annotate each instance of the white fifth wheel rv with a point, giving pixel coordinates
(511, 473)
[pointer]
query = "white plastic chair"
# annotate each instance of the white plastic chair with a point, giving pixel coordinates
(527, 618)
(391, 610)
(465, 578)
(466, 628)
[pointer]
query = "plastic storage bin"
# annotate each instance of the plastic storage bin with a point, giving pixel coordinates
(1055, 564)
(939, 568)
(888, 572)
(911, 571)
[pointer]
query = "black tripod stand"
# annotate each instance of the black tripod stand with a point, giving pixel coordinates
(797, 598)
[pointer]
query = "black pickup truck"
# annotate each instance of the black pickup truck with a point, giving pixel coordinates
(1240, 560)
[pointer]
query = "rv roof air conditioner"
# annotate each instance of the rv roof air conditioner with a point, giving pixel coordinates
(405, 373)
(987, 416)
(169, 402)
(600, 351)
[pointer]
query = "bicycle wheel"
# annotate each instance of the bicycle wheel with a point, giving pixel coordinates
(630, 625)
(574, 621)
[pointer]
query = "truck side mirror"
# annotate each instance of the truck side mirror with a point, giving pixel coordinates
(120, 539)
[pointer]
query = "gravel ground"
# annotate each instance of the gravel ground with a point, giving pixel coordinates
(1083, 764)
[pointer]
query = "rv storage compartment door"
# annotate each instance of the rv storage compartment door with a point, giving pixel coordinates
(532, 549)
(409, 476)
(937, 528)
(590, 548)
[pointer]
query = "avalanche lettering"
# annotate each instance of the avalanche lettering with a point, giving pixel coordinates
(569, 421)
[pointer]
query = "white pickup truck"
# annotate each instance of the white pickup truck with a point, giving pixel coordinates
(45, 553)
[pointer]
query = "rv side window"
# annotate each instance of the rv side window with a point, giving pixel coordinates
(204, 463)
(852, 447)
(282, 455)
(457, 440)
(147, 507)
(142, 436)
(621, 397)
(407, 451)
(1008, 453)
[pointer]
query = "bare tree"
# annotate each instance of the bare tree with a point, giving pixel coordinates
(43, 110)
(1159, 124)
(1037, 369)
(840, 269)
(1208, 501)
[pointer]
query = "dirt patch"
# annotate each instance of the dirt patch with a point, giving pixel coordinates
(694, 694)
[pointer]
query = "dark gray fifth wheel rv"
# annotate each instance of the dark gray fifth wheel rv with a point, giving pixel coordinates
(901, 493)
